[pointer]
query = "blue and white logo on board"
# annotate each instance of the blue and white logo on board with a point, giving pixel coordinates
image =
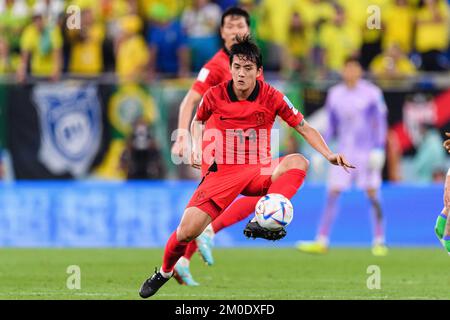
(71, 126)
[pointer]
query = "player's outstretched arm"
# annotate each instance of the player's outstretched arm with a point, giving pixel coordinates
(197, 136)
(447, 180)
(191, 99)
(315, 139)
(447, 142)
(447, 191)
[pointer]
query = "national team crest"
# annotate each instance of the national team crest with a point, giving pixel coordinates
(71, 126)
(260, 118)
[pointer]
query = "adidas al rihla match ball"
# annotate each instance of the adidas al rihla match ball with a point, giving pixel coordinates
(274, 211)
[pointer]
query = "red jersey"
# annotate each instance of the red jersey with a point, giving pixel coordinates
(214, 72)
(244, 127)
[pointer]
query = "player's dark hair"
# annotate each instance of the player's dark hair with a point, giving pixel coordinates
(235, 11)
(247, 49)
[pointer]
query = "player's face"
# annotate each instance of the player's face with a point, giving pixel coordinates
(233, 26)
(352, 72)
(244, 73)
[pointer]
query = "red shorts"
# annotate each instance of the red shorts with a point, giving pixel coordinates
(220, 187)
(205, 167)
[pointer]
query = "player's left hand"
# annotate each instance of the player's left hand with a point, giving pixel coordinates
(196, 159)
(339, 160)
(447, 142)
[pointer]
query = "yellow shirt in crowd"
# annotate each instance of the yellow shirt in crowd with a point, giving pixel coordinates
(381, 64)
(175, 6)
(432, 36)
(300, 44)
(275, 20)
(398, 22)
(104, 10)
(359, 13)
(132, 57)
(86, 56)
(275, 17)
(312, 11)
(339, 43)
(42, 63)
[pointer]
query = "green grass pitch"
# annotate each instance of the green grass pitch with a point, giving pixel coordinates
(244, 273)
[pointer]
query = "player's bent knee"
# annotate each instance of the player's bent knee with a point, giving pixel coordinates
(193, 222)
(297, 161)
(186, 234)
(304, 164)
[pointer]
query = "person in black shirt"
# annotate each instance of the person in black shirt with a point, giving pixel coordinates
(142, 158)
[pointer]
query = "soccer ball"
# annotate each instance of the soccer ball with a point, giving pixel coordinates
(274, 211)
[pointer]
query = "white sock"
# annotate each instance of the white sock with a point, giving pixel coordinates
(378, 241)
(323, 240)
(165, 274)
(183, 262)
(209, 231)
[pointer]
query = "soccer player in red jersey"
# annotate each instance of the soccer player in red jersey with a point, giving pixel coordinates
(244, 110)
(235, 22)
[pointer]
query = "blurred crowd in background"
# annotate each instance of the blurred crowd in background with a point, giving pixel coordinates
(146, 39)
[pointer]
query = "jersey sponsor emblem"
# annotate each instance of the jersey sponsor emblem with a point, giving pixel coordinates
(203, 74)
(290, 105)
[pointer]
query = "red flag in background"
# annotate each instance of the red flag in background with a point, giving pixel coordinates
(435, 112)
(442, 103)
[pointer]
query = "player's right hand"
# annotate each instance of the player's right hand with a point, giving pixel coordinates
(447, 142)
